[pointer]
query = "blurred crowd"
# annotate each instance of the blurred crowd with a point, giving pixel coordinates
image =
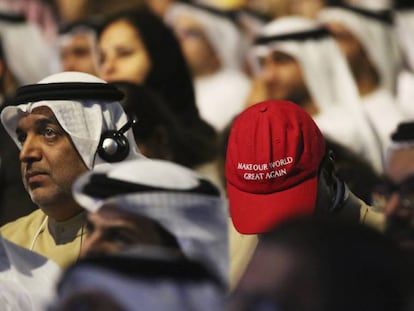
(207, 155)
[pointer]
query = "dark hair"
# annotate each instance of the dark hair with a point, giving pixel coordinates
(161, 131)
(169, 75)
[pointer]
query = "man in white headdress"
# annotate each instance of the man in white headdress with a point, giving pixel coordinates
(77, 46)
(213, 46)
(27, 280)
(296, 59)
(157, 236)
(65, 125)
(149, 204)
(25, 57)
(368, 40)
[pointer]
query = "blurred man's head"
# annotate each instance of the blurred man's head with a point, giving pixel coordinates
(77, 44)
(368, 39)
(210, 39)
(146, 204)
(396, 195)
(298, 60)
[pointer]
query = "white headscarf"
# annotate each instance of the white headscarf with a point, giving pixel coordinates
(28, 54)
(222, 33)
(198, 221)
(82, 29)
(378, 39)
(84, 121)
(27, 280)
(326, 72)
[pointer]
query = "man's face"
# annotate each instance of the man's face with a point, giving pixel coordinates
(399, 207)
(123, 56)
(49, 163)
(111, 230)
(283, 78)
(198, 52)
(77, 53)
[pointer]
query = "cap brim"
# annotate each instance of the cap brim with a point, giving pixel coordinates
(257, 213)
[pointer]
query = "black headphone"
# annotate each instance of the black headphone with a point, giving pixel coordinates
(114, 146)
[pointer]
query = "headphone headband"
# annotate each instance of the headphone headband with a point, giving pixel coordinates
(67, 91)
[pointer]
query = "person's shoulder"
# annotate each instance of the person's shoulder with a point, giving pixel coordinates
(371, 217)
(27, 223)
(242, 247)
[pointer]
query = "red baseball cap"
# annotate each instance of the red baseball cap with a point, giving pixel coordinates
(273, 156)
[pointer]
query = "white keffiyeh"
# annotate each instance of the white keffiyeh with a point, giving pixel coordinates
(29, 56)
(329, 81)
(224, 36)
(378, 38)
(198, 221)
(27, 280)
(84, 121)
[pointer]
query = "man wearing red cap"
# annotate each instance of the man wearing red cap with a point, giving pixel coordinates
(278, 168)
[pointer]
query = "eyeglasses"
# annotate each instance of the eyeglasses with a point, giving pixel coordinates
(382, 193)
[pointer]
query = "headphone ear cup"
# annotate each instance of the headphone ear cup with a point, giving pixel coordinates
(113, 146)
